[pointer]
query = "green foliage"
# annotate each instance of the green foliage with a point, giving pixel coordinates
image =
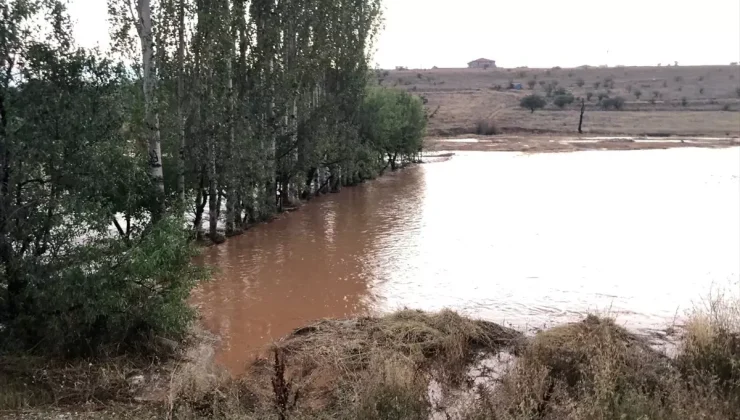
(392, 124)
(92, 251)
(533, 102)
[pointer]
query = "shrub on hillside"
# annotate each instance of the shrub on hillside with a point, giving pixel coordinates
(616, 103)
(531, 83)
(563, 99)
(596, 85)
(684, 101)
(637, 93)
(589, 95)
(486, 127)
(580, 82)
(533, 102)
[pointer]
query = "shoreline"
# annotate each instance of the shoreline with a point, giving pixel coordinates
(542, 143)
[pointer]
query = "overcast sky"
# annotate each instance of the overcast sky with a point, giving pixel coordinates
(534, 33)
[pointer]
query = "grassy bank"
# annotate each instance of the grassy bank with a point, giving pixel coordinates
(416, 365)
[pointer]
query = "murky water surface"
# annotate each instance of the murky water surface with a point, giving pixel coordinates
(529, 240)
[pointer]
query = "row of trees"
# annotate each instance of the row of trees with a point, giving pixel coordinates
(220, 110)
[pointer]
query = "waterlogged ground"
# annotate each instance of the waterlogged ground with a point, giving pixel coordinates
(525, 239)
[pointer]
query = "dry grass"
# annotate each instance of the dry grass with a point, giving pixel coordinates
(383, 368)
(461, 96)
(378, 368)
(597, 370)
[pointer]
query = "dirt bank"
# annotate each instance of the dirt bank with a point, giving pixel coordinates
(542, 143)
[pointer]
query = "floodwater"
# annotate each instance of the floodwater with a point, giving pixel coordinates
(525, 239)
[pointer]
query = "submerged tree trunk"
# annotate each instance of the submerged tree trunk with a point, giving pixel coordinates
(151, 114)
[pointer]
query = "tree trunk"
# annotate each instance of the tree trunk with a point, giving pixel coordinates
(151, 114)
(212, 189)
(580, 121)
(180, 100)
(230, 187)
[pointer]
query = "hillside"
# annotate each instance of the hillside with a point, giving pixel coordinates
(687, 101)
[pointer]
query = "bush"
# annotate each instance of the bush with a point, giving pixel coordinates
(616, 103)
(542, 83)
(656, 94)
(531, 83)
(115, 293)
(602, 95)
(562, 100)
(486, 127)
(589, 95)
(637, 93)
(701, 91)
(580, 82)
(726, 107)
(678, 79)
(684, 101)
(710, 350)
(596, 85)
(737, 91)
(533, 102)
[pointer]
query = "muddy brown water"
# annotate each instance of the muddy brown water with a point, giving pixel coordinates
(529, 240)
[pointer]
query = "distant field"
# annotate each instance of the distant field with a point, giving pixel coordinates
(689, 101)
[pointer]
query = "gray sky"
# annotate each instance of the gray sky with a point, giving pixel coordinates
(534, 33)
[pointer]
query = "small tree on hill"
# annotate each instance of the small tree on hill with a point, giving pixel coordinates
(533, 102)
(589, 95)
(531, 83)
(580, 82)
(562, 100)
(637, 93)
